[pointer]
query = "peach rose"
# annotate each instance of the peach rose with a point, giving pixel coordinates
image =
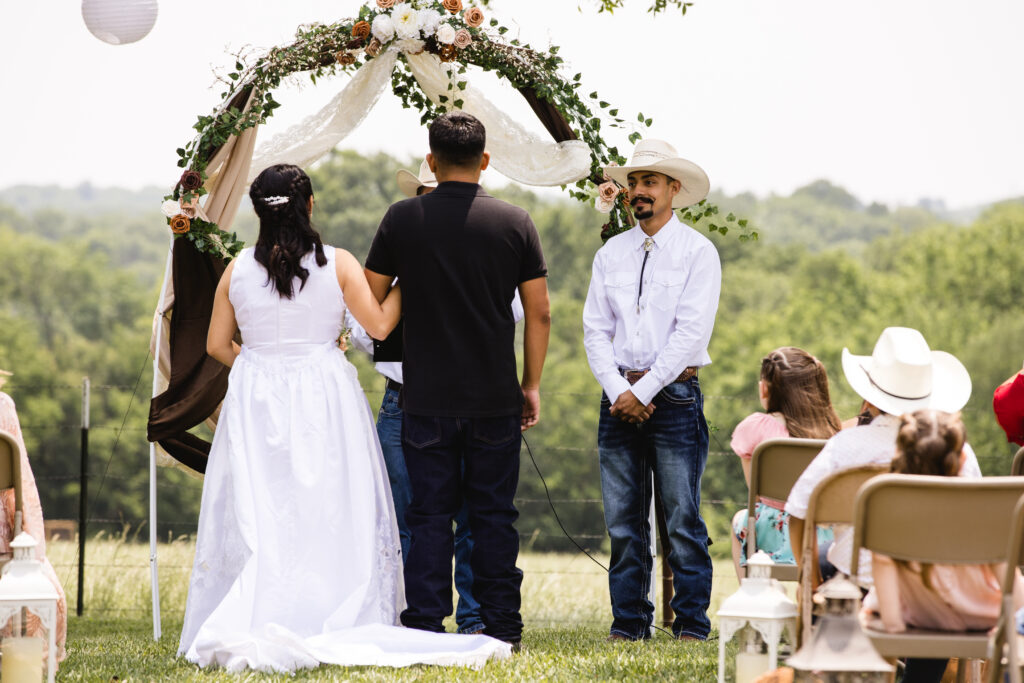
(345, 58)
(373, 49)
(473, 17)
(607, 191)
(180, 224)
(361, 29)
(385, 4)
(462, 38)
(453, 6)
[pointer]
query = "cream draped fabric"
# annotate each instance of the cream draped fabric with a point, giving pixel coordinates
(516, 153)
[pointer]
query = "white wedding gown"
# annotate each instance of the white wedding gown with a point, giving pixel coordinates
(298, 559)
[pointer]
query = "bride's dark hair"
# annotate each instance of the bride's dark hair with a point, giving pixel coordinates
(280, 195)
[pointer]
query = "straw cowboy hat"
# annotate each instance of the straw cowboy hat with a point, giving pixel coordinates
(659, 156)
(902, 374)
(408, 183)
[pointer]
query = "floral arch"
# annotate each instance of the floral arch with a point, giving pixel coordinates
(423, 49)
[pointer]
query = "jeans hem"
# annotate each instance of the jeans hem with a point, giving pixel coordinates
(619, 632)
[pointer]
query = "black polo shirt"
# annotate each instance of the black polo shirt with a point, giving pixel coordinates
(459, 255)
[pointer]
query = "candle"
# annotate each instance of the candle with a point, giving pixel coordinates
(22, 660)
(750, 665)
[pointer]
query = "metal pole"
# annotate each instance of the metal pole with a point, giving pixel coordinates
(83, 496)
(154, 574)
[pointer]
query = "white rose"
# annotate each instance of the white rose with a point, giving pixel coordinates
(382, 28)
(430, 19)
(445, 34)
(604, 205)
(406, 20)
(170, 208)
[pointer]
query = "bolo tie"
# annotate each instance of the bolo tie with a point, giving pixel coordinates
(648, 246)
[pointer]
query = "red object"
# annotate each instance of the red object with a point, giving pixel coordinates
(1008, 402)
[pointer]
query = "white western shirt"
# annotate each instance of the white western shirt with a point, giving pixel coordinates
(665, 327)
(393, 369)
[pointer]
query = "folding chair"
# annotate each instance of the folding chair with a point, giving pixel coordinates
(1005, 632)
(10, 477)
(831, 502)
(1017, 468)
(775, 466)
(937, 520)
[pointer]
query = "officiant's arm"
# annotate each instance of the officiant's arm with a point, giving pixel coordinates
(378, 319)
(220, 342)
(536, 329)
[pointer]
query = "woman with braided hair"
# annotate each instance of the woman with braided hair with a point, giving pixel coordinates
(794, 394)
(298, 560)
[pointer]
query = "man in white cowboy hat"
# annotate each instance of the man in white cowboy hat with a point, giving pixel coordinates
(901, 375)
(647, 322)
(387, 355)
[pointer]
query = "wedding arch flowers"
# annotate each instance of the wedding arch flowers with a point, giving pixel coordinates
(457, 34)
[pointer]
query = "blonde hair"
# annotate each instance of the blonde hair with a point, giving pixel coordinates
(797, 387)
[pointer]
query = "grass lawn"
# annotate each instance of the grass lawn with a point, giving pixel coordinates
(565, 608)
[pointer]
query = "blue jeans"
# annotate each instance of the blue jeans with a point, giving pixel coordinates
(674, 445)
(454, 462)
(389, 431)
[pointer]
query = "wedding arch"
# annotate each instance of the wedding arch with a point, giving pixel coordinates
(424, 50)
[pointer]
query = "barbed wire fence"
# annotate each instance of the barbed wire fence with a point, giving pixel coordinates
(180, 529)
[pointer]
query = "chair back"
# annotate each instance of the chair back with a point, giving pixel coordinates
(10, 474)
(1006, 630)
(831, 502)
(1017, 468)
(775, 465)
(938, 520)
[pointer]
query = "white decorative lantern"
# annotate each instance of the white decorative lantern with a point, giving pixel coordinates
(759, 612)
(119, 22)
(839, 651)
(23, 589)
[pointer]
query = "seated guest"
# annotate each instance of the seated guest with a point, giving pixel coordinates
(1008, 404)
(901, 375)
(937, 597)
(32, 520)
(794, 393)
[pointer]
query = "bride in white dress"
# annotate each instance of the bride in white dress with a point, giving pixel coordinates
(298, 559)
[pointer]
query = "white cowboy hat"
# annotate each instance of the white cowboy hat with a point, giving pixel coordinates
(408, 183)
(902, 374)
(659, 156)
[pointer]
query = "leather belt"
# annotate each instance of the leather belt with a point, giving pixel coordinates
(393, 385)
(633, 376)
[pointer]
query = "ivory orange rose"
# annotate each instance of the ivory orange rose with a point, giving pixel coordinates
(385, 4)
(180, 224)
(453, 6)
(361, 29)
(373, 49)
(345, 58)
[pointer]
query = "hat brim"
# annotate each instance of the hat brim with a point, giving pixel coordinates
(694, 181)
(951, 385)
(409, 184)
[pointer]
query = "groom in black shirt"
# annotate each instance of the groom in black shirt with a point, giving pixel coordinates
(459, 255)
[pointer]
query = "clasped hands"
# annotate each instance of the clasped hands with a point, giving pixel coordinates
(628, 408)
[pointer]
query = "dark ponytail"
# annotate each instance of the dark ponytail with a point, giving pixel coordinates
(280, 196)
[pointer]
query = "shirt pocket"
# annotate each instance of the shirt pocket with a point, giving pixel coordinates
(622, 289)
(667, 288)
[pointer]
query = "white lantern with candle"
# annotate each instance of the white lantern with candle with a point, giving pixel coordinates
(119, 22)
(759, 613)
(25, 589)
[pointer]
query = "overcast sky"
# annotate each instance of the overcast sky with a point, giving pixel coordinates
(894, 100)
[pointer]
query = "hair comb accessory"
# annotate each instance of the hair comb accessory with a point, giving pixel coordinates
(275, 200)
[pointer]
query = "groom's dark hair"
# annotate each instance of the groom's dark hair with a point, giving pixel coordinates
(457, 139)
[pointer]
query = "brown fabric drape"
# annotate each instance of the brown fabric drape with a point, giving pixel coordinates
(197, 382)
(549, 115)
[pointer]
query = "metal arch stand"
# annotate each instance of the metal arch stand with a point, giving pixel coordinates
(154, 573)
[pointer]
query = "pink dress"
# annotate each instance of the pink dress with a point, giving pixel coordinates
(32, 522)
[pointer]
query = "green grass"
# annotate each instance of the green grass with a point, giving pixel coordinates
(565, 608)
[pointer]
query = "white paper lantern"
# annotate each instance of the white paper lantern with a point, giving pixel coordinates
(119, 22)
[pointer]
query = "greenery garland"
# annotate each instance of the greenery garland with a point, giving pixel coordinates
(457, 35)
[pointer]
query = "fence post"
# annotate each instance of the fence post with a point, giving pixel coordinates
(83, 494)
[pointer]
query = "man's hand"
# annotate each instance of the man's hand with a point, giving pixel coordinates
(628, 408)
(531, 408)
